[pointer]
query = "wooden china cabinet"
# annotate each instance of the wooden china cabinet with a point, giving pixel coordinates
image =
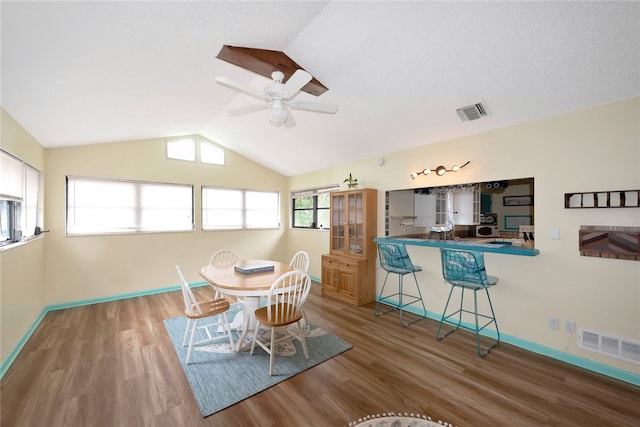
(349, 270)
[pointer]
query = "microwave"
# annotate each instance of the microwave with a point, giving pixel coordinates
(487, 231)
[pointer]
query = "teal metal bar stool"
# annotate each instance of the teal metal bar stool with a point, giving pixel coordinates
(395, 259)
(465, 270)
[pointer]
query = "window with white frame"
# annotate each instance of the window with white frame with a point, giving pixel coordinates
(20, 199)
(211, 153)
(310, 207)
(194, 147)
(182, 149)
(229, 209)
(108, 206)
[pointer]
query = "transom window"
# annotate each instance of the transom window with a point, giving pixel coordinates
(228, 209)
(191, 147)
(105, 206)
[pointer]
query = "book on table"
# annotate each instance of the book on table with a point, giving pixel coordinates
(254, 268)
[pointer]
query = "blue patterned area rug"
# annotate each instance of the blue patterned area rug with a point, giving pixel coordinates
(220, 377)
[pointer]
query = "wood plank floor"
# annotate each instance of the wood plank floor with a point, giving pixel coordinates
(112, 364)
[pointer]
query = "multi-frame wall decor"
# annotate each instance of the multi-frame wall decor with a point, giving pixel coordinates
(603, 199)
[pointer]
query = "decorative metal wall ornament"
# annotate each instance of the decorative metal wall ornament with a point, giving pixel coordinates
(440, 170)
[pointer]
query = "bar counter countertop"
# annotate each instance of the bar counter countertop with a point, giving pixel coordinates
(481, 244)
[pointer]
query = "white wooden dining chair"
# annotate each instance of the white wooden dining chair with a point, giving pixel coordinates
(284, 307)
(225, 258)
(195, 310)
(300, 261)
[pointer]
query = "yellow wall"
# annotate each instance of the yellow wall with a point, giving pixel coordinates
(595, 149)
(84, 267)
(22, 267)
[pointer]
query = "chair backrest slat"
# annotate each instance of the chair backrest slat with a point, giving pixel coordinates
(300, 261)
(288, 294)
(191, 305)
(224, 258)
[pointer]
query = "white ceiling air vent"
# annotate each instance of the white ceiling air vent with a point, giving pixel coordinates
(471, 112)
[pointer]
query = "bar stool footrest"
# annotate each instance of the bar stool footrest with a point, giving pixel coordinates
(395, 305)
(458, 325)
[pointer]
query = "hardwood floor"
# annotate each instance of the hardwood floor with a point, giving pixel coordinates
(112, 364)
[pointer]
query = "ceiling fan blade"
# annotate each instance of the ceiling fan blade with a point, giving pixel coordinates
(295, 83)
(318, 107)
(248, 109)
(232, 84)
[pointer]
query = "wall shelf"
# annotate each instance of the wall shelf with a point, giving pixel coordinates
(602, 199)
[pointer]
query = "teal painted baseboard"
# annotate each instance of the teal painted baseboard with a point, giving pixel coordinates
(553, 353)
(581, 362)
(12, 357)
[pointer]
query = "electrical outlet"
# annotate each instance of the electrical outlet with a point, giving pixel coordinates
(554, 323)
(570, 327)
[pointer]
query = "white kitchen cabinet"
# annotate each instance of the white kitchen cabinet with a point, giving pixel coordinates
(425, 210)
(466, 207)
(463, 205)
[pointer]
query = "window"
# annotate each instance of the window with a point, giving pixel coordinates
(310, 208)
(210, 153)
(182, 149)
(229, 209)
(185, 149)
(20, 199)
(103, 206)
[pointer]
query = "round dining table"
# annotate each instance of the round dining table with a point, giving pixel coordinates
(250, 286)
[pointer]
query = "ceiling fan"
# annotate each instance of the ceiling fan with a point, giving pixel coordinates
(279, 97)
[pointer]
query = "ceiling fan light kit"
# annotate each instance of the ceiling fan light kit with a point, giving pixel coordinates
(278, 96)
(440, 170)
(278, 114)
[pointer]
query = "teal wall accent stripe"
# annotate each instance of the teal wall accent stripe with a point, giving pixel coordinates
(610, 371)
(581, 362)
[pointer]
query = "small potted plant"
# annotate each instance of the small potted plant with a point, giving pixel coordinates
(351, 181)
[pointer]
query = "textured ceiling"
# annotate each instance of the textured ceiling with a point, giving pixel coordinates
(92, 72)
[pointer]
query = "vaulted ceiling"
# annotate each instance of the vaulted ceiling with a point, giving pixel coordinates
(93, 72)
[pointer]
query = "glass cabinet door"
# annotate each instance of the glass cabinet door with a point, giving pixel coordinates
(338, 220)
(350, 234)
(355, 212)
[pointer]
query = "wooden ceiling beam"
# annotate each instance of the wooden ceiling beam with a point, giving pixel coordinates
(265, 62)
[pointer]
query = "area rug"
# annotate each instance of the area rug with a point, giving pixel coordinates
(220, 377)
(397, 420)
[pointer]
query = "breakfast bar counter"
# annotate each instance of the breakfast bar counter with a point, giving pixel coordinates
(472, 244)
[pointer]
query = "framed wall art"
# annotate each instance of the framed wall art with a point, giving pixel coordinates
(517, 200)
(513, 222)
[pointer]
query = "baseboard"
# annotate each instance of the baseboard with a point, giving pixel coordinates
(553, 353)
